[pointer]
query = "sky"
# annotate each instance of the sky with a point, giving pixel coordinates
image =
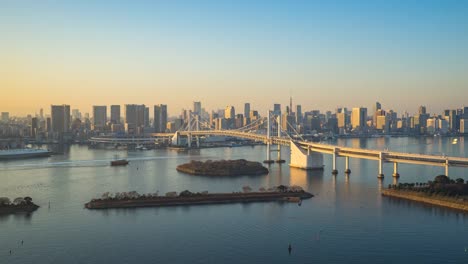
(325, 54)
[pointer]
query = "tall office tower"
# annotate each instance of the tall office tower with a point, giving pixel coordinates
(146, 117)
(229, 112)
(422, 110)
(453, 120)
(115, 114)
(197, 110)
(100, 116)
(277, 109)
(290, 104)
(246, 110)
(49, 124)
(298, 114)
(359, 117)
(341, 119)
(377, 107)
(41, 113)
(60, 120)
(134, 118)
(465, 112)
(34, 127)
(160, 118)
(5, 117)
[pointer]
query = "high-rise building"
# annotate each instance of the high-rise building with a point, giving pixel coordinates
(60, 118)
(115, 114)
(147, 117)
(298, 114)
(197, 110)
(41, 113)
(160, 118)
(5, 117)
(377, 107)
(422, 110)
(453, 120)
(229, 112)
(464, 126)
(134, 118)
(277, 109)
(34, 127)
(100, 117)
(246, 110)
(359, 117)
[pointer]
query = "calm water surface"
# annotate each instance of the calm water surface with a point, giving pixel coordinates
(346, 222)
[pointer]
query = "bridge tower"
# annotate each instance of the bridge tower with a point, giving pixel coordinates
(268, 140)
(189, 129)
(278, 122)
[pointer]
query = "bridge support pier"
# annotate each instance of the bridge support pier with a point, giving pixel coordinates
(381, 175)
(347, 170)
(395, 170)
(446, 167)
(334, 171)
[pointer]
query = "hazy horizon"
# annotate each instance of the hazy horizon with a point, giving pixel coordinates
(323, 54)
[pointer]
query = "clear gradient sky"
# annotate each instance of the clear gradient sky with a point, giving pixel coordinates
(325, 53)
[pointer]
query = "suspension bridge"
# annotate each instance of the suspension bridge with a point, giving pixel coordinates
(304, 154)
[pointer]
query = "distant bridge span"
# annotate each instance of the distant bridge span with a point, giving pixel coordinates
(338, 151)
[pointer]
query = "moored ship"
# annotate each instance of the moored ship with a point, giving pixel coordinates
(24, 153)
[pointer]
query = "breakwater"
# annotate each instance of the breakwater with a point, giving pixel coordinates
(196, 199)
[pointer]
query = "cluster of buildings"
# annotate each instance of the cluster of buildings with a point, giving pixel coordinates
(65, 124)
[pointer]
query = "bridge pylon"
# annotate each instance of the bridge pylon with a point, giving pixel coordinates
(268, 140)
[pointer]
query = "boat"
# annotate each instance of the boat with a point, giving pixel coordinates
(24, 153)
(121, 162)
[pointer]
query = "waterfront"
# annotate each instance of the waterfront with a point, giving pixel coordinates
(346, 221)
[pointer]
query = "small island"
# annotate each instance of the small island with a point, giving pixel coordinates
(442, 191)
(223, 168)
(19, 204)
(133, 199)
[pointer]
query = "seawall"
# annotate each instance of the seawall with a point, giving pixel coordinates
(450, 202)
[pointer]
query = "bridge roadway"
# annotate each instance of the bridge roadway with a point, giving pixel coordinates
(337, 151)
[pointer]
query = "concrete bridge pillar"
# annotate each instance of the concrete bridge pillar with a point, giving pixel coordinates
(347, 170)
(381, 175)
(334, 171)
(446, 168)
(395, 170)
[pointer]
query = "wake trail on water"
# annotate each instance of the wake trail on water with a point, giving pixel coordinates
(81, 163)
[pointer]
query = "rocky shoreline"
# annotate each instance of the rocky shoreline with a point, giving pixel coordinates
(223, 168)
(189, 198)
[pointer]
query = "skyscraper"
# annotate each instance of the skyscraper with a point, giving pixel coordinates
(147, 122)
(100, 116)
(134, 118)
(298, 114)
(197, 110)
(422, 110)
(277, 109)
(60, 118)
(160, 118)
(115, 114)
(246, 110)
(5, 117)
(230, 112)
(359, 117)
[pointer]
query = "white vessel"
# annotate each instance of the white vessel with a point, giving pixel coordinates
(24, 153)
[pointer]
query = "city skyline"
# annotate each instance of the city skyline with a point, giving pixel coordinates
(323, 54)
